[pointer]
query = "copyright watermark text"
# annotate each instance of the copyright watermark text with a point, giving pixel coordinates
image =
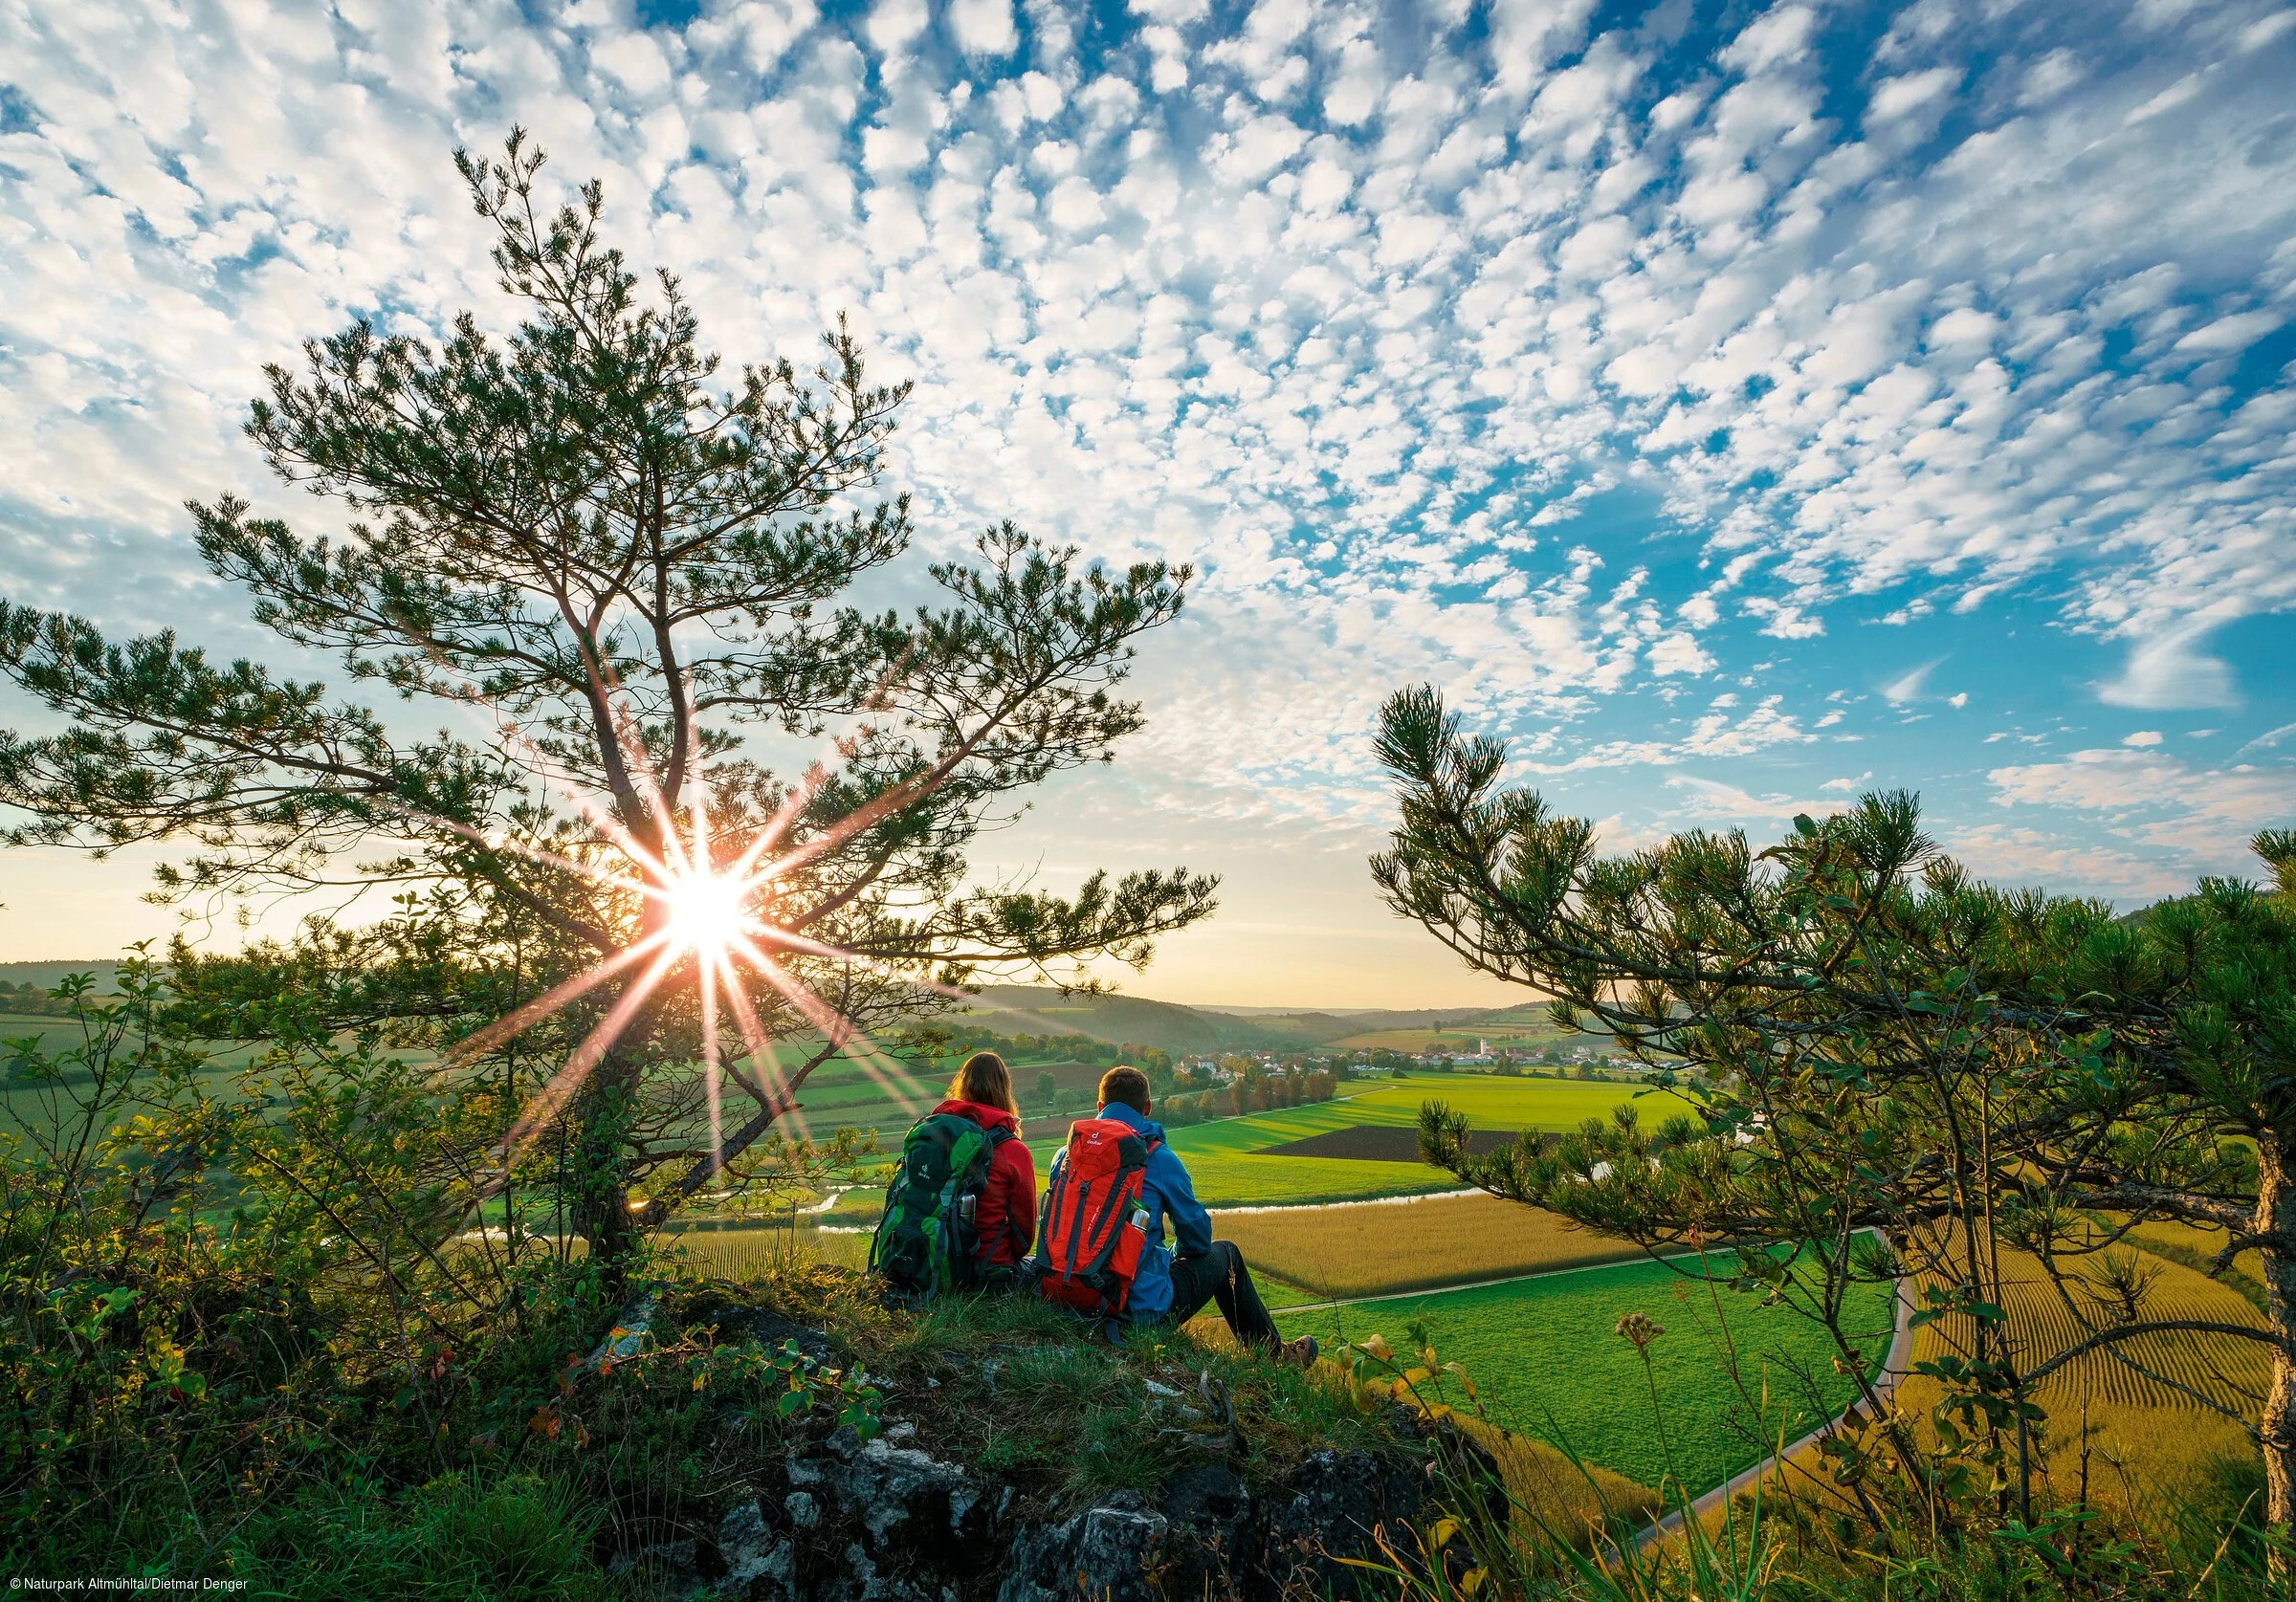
(104, 1584)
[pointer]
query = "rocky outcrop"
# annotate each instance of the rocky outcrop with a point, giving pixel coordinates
(880, 1523)
(1114, 1552)
(887, 1520)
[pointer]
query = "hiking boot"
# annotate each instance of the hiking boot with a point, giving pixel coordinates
(1300, 1353)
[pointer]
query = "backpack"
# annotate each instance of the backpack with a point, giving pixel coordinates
(1094, 1225)
(925, 1241)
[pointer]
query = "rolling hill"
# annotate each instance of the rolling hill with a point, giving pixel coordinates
(1119, 1018)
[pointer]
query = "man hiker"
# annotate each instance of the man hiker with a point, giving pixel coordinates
(1171, 1286)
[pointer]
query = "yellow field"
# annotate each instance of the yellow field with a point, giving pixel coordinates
(2148, 1443)
(740, 1253)
(1411, 1246)
(2224, 1368)
(2193, 1247)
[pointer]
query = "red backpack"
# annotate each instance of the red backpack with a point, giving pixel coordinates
(1094, 1225)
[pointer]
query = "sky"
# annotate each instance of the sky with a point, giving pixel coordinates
(1735, 407)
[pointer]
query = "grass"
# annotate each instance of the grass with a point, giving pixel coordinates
(742, 1254)
(1028, 1393)
(516, 1539)
(1492, 1102)
(27, 1105)
(1544, 1354)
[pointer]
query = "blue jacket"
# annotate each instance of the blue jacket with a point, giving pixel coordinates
(1167, 1194)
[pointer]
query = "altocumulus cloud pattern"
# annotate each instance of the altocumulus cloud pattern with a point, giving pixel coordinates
(1737, 404)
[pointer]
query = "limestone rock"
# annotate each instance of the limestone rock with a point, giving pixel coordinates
(1107, 1553)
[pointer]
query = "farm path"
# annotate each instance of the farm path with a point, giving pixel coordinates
(1419, 1291)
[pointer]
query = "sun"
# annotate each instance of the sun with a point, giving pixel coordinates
(706, 913)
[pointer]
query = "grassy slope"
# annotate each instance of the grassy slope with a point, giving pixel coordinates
(1225, 1160)
(1546, 1359)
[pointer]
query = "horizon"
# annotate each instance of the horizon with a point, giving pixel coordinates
(1735, 408)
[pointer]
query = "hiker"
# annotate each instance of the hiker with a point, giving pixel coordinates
(1110, 1261)
(960, 1214)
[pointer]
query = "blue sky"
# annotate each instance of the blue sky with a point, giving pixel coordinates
(1737, 405)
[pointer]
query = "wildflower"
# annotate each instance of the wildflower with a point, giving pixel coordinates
(1640, 1328)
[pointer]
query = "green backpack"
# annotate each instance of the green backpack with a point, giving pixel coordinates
(925, 1242)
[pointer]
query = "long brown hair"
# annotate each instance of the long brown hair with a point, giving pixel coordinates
(986, 1080)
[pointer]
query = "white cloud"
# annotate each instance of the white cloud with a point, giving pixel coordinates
(893, 23)
(2065, 865)
(1169, 11)
(2143, 737)
(1908, 687)
(2170, 672)
(1766, 725)
(1895, 97)
(1779, 35)
(2199, 815)
(983, 27)
(2236, 332)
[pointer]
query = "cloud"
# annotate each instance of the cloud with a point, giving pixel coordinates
(1766, 725)
(1908, 687)
(983, 27)
(2203, 816)
(1710, 799)
(2236, 332)
(2171, 674)
(2068, 866)
(1896, 97)
(1419, 343)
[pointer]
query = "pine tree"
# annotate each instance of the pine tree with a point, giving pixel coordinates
(629, 579)
(1901, 1074)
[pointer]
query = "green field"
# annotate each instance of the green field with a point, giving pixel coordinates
(1229, 1159)
(1544, 1354)
(26, 1105)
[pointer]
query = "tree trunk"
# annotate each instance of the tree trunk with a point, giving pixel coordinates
(2276, 1214)
(600, 1203)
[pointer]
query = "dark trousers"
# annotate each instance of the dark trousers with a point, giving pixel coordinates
(1220, 1275)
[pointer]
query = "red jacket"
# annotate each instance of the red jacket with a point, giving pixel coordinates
(1006, 1213)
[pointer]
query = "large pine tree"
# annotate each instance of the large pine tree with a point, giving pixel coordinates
(627, 577)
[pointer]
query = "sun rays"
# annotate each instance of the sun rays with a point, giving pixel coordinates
(700, 906)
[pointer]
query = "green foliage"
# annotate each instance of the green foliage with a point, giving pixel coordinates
(517, 1539)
